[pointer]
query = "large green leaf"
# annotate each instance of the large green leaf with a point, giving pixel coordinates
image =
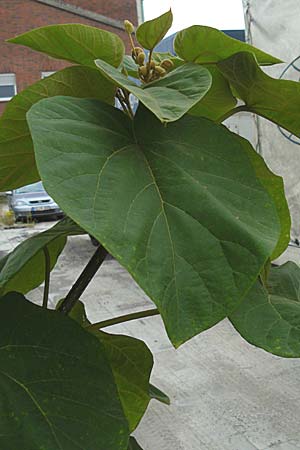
(276, 100)
(131, 362)
(170, 97)
(275, 187)
(203, 45)
(271, 319)
(57, 389)
(74, 42)
(17, 162)
(179, 205)
(24, 267)
(151, 32)
(218, 100)
(133, 444)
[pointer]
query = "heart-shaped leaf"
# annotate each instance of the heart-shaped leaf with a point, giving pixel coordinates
(74, 42)
(203, 45)
(218, 100)
(170, 97)
(17, 161)
(57, 389)
(24, 268)
(151, 32)
(276, 100)
(270, 317)
(179, 206)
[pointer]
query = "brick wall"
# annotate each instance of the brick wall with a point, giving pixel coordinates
(18, 16)
(109, 8)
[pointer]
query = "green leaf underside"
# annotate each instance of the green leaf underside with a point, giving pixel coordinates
(133, 444)
(159, 395)
(276, 100)
(275, 187)
(170, 97)
(17, 162)
(130, 66)
(151, 32)
(178, 206)
(56, 387)
(202, 45)
(24, 267)
(74, 42)
(271, 320)
(131, 362)
(218, 100)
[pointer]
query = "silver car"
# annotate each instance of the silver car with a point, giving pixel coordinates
(32, 201)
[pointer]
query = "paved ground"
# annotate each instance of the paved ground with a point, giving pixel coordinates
(226, 394)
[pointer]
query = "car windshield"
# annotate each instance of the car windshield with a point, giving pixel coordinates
(35, 187)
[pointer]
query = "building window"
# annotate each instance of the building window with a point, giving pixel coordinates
(8, 86)
(46, 74)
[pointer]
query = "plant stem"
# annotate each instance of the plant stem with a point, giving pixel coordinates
(233, 111)
(47, 277)
(83, 280)
(121, 319)
(125, 103)
(148, 65)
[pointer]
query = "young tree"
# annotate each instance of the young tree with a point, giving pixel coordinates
(186, 206)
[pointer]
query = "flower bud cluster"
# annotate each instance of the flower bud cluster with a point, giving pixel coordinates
(150, 71)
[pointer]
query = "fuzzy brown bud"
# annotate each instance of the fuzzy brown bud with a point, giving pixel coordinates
(138, 50)
(160, 70)
(140, 59)
(167, 64)
(129, 28)
(152, 65)
(143, 71)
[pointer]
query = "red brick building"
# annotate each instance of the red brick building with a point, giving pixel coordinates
(20, 66)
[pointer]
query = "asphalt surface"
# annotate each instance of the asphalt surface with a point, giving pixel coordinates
(225, 394)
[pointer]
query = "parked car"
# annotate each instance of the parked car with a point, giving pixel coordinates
(32, 201)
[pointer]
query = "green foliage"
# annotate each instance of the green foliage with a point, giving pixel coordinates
(133, 444)
(150, 33)
(204, 45)
(131, 362)
(276, 100)
(58, 381)
(170, 97)
(274, 185)
(269, 317)
(218, 100)
(157, 394)
(79, 44)
(187, 207)
(18, 167)
(229, 222)
(24, 268)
